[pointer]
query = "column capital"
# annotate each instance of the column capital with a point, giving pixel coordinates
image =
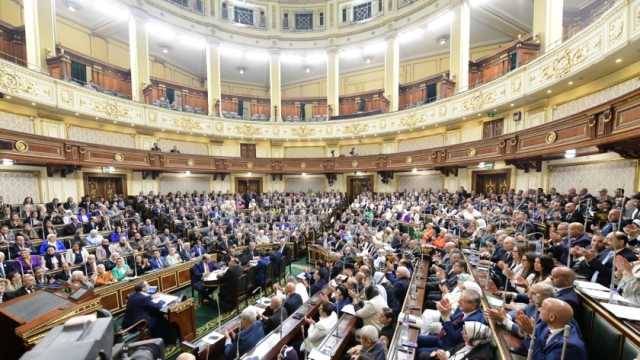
(212, 42)
(391, 35)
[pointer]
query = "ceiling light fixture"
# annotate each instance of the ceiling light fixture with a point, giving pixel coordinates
(241, 70)
(549, 91)
(7, 162)
(570, 83)
(570, 154)
(443, 41)
(367, 60)
(187, 172)
(307, 69)
(618, 61)
(165, 50)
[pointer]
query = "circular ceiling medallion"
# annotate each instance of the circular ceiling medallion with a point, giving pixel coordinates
(190, 162)
(551, 137)
(118, 157)
(409, 160)
(250, 165)
(303, 165)
(354, 163)
(21, 146)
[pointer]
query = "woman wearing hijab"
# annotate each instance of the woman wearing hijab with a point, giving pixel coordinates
(477, 345)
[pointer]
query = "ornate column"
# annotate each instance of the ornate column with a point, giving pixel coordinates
(333, 81)
(392, 72)
(139, 57)
(275, 85)
(40, 32)
(547, 22)
(214, 83)
(459, 52)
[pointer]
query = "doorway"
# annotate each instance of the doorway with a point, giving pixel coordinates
(358, 184)
(253, 185)
(497, 182)
(99, 185)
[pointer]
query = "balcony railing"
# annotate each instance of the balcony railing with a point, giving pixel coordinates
(577, 21)
(195, 6)
(305, 110)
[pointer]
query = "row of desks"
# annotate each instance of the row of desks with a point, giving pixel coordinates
(404, 334)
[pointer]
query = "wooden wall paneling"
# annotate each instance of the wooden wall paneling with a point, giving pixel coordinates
(169, 282)
(110, 302)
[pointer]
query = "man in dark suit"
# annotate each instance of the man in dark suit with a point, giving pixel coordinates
(229, 285)
(601, 264)
(251, 332)
(28, 287)
(399, 289)
(140, 306)
(198, 271)
(293, 300)
(571, 214)
(273, 315)
(157, 261)
(562, 279)
(549, 340)
(452, 324)
(248, 254)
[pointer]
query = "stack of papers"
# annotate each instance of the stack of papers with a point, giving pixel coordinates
(623, 312)
(604, 295)
(590, 285)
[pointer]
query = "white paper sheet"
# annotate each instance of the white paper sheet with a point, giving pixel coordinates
(624, 312)
(590, 285)
(604, 295)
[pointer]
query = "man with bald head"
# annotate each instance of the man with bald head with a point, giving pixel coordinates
(577, 236)
(293, 300)
(562, 279)
(273, 314)
(571, 214)
(555, 314)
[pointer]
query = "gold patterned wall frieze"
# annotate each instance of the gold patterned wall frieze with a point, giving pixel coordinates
(14, 83)
(303, 131)
(187, 124)
(247, 130)
(356, 129)
(616, 29)
(111, 109)
(479, 101)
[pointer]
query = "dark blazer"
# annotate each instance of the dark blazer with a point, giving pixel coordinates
(229, 285)
(451, 333)
(248, 338)
(292, 303)
(570, 297)
(273, 318)
(398, 293)
(140, 306)
(552, 349)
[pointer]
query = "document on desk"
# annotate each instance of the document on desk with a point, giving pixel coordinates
(623, 312)
(212, 338)
(604, 295)
(168, 300)
(590, 285)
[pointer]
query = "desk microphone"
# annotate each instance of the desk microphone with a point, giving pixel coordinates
(565, 340)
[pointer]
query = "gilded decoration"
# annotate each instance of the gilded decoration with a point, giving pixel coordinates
(303, 165)
(21, 146)
(616, 28)
(118, 157)
(471, 152)
(551, 137)
(410, 121)
(250, 165)
(478, 101)
(247, 130)
(187, 124)
(14, 83)
(190, 162)
(67, 97)
(354, 163)
(564, 63)
(111, 109)
(408, 160)
(356, 129)
(303, 131)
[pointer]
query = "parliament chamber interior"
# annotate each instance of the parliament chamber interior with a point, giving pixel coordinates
(320, 179)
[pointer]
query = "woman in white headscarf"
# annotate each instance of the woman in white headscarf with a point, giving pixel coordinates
(477, 344)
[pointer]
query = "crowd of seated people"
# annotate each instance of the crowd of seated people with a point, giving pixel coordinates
(103, 241)
(534, 241)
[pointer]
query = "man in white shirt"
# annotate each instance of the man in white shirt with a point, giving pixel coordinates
(372, 308)
(319, 330)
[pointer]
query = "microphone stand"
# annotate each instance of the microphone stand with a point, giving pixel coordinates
(565, 340)
(238, 345)
(531, 345)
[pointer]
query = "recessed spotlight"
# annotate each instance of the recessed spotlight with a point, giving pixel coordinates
(570, 83)
(241, 70)
(307, 69)
(77, 114)
(570, 154)
(187, 172)
(71, 8)
(304, 174)
(8, 97)
(549, 91)
(414, 170)
(367, 60)
(33, 104)
(443, 41)
(7, 162)
(249, 173)
(618, 61)
(512, 105)
(165, 50)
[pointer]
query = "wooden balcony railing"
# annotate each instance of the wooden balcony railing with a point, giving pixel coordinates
(105, 78)
(305, 109)
(175, 96)
(363, 104)
(246, 108)
(426, 91)
(493, 66)
(12, 45)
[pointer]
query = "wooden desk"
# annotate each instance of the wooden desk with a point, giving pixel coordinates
(341, 337)
(412, 305)
(503, 339)
(182, 314)
(26, 319)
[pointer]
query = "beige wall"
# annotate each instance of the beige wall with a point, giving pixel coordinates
(11, 12)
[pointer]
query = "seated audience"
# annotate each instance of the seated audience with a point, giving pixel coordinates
(250, 333)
